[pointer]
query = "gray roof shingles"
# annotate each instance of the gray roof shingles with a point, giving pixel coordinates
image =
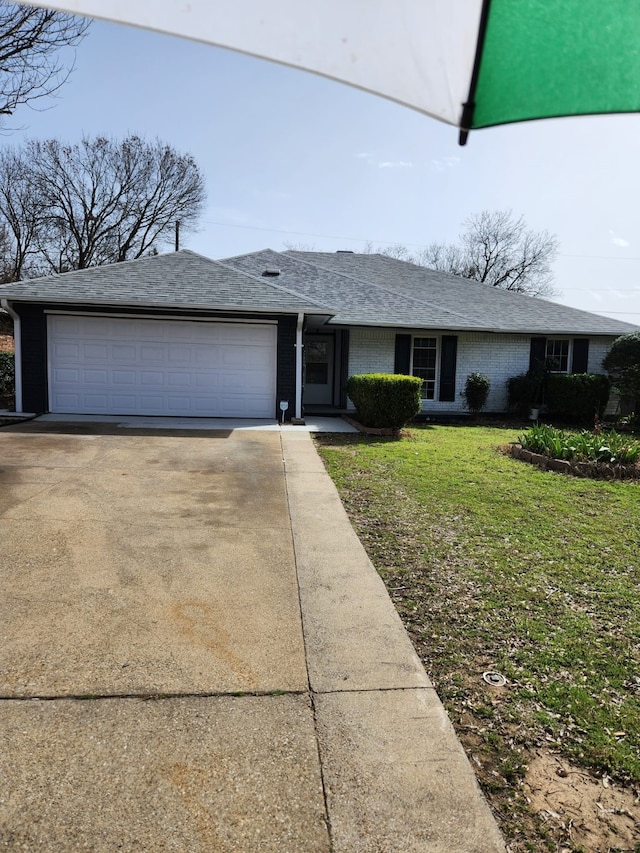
(179, 279)
(478, 306)
(353, 289)
(359, 302)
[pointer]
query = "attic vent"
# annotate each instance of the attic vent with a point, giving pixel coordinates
(344, 251)
(271, 273)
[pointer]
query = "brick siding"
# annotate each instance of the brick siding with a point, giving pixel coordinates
(498, 356)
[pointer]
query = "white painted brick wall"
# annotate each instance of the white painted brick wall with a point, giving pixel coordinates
(371, 350)
(598, 348)
(498, 356)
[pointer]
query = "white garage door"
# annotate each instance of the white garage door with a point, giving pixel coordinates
(121, 366)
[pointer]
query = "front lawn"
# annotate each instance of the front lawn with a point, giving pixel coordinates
(495, 565)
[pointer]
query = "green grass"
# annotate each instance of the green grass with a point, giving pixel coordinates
(495, 564)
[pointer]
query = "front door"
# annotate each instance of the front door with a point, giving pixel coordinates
(318, 382)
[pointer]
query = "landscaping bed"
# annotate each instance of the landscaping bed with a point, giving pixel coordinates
(593, 470)
(497, 566)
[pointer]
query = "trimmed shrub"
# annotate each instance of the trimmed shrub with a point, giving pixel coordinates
(476, 391)
(7, 373)
(385, 400)
(524, 392)
(577, 396)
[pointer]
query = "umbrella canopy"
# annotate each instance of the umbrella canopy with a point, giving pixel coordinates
(470, 63)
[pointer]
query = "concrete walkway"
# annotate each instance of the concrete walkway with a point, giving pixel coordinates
(197, 655)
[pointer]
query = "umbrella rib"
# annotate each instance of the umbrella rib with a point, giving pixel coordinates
(466, 119)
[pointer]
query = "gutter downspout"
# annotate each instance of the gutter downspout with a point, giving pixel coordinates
(17, 340)
(299, 346)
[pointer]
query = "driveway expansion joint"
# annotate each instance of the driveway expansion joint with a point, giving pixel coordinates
(153, 697)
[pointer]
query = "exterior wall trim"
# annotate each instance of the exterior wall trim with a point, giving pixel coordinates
(190, 317)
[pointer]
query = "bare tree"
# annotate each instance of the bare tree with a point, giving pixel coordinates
(495, 248)
(99, 201)
(299, 247)
(20, 215)
(30, 42)
(498, 249)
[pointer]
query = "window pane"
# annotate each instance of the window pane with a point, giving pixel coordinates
(558, 352)
(317, 352)
(424, 365)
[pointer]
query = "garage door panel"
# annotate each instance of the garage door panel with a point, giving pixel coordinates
(67, 350)
(180, 354)
(68, 374)
(123, 377)
(95, 377)
(128, 366)
(97, 400)
(92, 352)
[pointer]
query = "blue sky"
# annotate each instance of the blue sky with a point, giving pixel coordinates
(289, 157)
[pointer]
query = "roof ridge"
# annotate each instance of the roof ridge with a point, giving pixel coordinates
(327, 308)
(384, 288)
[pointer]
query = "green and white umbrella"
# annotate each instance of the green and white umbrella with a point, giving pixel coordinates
(470, 63)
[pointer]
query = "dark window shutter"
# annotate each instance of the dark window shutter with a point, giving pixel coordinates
(580, 360)
(402, 363)
(538, 353)
(448, 353)
(344, 366)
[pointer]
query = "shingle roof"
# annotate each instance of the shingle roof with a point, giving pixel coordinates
(359, 302)
(179, 279)
(353, 289)
(477, 306)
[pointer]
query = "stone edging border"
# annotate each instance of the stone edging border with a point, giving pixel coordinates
(591, 470)
(369, 430)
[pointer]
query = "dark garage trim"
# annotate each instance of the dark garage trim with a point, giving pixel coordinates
(34, 358)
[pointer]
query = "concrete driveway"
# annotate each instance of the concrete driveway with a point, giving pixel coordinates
(196, 655)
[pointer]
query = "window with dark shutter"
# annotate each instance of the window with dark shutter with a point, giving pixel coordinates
(580, 360)
(537, 353)
(448, 358)
(425, 358)
(402, 362)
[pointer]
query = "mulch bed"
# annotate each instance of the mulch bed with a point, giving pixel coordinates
(370, 430)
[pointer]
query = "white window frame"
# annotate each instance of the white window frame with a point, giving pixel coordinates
(569, 343)
(436, 369)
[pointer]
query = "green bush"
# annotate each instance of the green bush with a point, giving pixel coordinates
(581, 447)
(524, 392)
(577, 396)
(476, 391)
(622, 363)
(385, 400)
(7, 373)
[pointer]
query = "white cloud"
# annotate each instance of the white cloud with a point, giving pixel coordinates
(618, 241)
(372, 160)
(445, 163)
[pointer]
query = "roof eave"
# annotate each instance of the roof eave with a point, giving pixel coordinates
(492, 330)
(129, 303)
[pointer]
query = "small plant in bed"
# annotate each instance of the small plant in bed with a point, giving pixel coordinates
(583, 446)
